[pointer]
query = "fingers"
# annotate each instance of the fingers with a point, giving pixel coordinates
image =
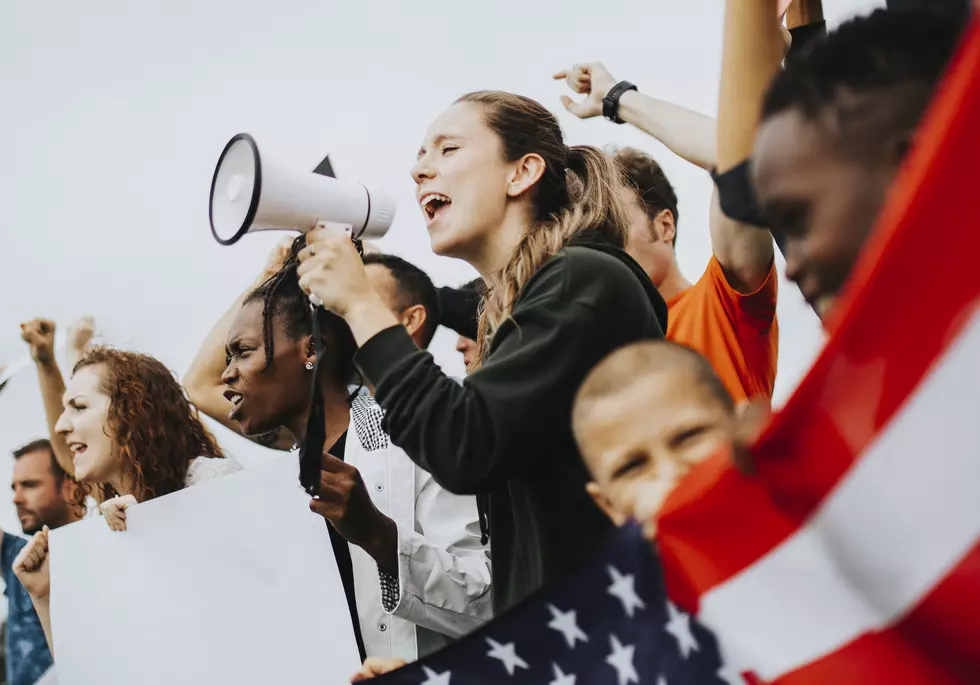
(332, 464)
(375, 666)
(559, 75)
(34, 553)
(326, 509)
(576, 108)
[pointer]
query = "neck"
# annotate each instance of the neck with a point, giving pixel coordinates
(673, 283)
(336, 417)
(123, 484)
(498, 247)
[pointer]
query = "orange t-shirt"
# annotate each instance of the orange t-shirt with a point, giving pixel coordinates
(737, 333)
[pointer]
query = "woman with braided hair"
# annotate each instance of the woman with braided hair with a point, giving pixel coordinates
(415, 568)
(545, 226)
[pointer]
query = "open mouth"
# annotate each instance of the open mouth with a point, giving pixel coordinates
(433, 204)
(77, 449)
(236, 401)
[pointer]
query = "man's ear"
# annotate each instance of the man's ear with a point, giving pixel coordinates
(665, 226)
(528, 170)
(603, 502)
(414, 318)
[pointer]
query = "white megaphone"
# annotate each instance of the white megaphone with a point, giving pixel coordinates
(250, 192)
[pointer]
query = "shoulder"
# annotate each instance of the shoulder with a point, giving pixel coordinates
(203, 469)
(587, 275)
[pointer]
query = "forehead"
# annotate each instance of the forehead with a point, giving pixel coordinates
(247, 322)
(792, 153)
(660, 402)
(461, 120)
(86, 381)
(32, 463)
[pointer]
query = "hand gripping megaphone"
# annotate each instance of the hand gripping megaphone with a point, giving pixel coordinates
(252, 192)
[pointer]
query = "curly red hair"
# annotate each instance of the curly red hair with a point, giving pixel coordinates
(157, 429)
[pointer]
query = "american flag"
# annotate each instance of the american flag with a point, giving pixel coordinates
(853, 556)
(609, 623)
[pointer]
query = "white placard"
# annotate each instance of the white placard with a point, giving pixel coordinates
(231, 581)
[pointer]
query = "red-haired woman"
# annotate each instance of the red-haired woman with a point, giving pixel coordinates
(133, 436)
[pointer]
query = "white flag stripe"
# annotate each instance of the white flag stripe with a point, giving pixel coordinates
(896, 523)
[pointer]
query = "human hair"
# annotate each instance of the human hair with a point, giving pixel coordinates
(870, 81)
(158, 431)
(647, 179)
(477, 285)
(43, 445)
(635, 364)
(579, 191)
(282, 298)
(414, 287)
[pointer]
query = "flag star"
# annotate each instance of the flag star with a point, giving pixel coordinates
(564, 623)
(433, 678)
(561, 678)
(679, 625)
(731, 676)
(622, 589)
(506, 655)
(622, 660)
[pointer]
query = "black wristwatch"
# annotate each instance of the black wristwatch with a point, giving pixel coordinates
(610, 103)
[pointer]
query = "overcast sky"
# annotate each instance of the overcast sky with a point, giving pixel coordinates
(114, 113)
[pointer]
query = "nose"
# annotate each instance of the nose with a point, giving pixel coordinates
(462, 343)
(421, 170)
(63, 426)
(18, 496)
(794, 262)
(230, 374)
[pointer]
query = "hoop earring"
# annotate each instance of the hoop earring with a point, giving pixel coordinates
(309, 366)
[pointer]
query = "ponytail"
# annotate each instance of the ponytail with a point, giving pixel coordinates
(590, 200)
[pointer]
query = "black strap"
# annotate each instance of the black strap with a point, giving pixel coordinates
(310, 459)
(610, 103)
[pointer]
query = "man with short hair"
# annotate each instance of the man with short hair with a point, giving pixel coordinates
(44, 496)
(835, 127)
(409, 293)
(729, 314)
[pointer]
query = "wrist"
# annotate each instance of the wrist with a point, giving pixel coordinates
(367, 316)
(382, 544)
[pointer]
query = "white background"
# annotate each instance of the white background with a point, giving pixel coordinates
(113, 113)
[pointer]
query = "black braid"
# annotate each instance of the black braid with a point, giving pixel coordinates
(282, 290)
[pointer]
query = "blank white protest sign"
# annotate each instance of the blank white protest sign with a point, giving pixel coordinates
(230, 581)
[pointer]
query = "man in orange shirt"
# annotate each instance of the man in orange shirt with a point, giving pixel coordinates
(729, 314)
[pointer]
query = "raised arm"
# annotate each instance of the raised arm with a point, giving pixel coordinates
(39, 335)
(33, 569)
(203, 379)
(79, 334)
(753, 48)
(688, 134)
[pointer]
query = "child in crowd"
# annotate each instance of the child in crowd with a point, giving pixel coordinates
(644, 417)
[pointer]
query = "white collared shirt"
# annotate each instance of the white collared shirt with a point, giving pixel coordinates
(443, 568)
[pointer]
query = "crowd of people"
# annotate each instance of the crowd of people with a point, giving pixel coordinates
(598, 374)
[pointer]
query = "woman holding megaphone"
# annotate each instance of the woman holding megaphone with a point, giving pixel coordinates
(545, 226)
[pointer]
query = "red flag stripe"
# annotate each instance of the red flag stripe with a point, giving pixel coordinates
(944, 624)
(888, 335)
(879, 544)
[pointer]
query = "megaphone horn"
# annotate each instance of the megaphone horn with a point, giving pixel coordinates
(252, 192)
